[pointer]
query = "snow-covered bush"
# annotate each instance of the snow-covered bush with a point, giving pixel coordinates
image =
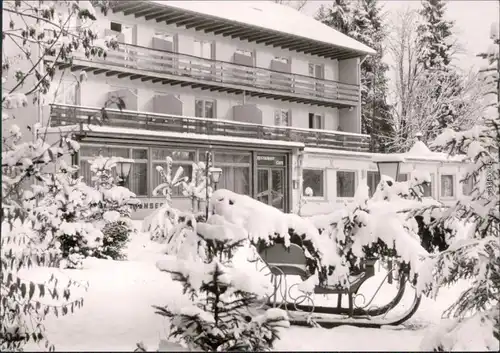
(217, 316)
(160, 222)
(112, 209)
(31, 223)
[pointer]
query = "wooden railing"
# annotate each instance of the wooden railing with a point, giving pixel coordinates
(166, 62)
(69, 115)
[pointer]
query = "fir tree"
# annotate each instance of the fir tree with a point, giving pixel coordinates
(367, 26)
(435, 35)
(219, 319)
(337, 15)
(474, 255)
(435, 44)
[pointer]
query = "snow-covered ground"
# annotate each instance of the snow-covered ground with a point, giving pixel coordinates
(118, 313)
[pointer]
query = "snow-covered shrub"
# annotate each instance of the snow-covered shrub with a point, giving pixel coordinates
(112, 209)
(217, 317)
(160, 222)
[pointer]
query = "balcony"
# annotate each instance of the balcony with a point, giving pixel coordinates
(63, 115)
(158, 66)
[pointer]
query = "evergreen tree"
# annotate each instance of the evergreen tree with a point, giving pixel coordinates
(475, 254)
(367, 26)
(219, 318)
(435, 35)
(337, 15)
(435, 44)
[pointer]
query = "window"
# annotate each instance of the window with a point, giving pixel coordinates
(282, 117)
(115, 26)
(235, 171)
(316, 70)
(372, 180)
(315, 121)
(346, 183)
(65, 93)
(245, 52)
(314, 179)
(180, 158)
(281, 59)
(138, 177)
(468, 185)
(428, 187)
(204, 49)
(126, 31)
(204, 108)
(403, 177)
(447, 186)
(168, 40)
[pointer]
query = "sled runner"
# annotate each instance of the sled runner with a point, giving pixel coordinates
(281, 262)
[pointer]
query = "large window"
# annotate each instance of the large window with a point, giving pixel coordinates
(447, 186)
(346, 183)
(180, 158)
(314, 179)
(204, 108)
(235, 171)
(138, 178)
(282, 117)
(372, 180)
(316, 70)
(315, 121)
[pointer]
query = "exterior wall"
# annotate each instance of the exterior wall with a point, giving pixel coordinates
(330, 164)
(94, 92)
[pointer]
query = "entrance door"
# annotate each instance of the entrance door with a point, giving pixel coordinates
(270, 187)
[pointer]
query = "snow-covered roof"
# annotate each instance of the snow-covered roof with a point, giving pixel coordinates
(271, 16)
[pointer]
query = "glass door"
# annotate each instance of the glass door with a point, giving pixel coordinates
(270, 187)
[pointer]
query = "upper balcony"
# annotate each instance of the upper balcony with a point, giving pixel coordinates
(63, 115)
(159, 66)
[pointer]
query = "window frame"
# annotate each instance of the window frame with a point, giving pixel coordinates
(324, 186)
(130, 153)
(289, 116)
(321, 120)
(204, 100)
(453, 188)
(371, 192)
(175, 165)
(175, 38)
(355, 172)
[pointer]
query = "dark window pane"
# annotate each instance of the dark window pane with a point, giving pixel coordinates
(209, 110)
(313, 179)
(263, 185)
(138, 179)
(373, 178)
(346, 184)
(227, 157)
(157, 179)
(403, 177)
(139, 154)
(277, 194)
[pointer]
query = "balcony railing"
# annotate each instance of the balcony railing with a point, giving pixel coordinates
(70, 115)
(247, 78)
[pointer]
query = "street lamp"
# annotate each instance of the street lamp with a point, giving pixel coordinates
(215, 174)
(123, 167)
(388, 165)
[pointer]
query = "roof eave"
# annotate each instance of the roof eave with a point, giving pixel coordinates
(228, 28)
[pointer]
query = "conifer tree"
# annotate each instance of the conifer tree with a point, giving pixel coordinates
(218, 317)
(474, 254)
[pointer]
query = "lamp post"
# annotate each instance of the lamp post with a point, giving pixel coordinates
(123, 167)
(212, 176)
(388, 165)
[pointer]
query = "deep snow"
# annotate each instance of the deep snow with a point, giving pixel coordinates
(117, 311)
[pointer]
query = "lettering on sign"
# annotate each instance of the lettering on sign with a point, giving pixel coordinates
(146, 205)
(278, 161)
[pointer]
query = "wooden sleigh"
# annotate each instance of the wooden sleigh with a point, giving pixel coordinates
(284, 261)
